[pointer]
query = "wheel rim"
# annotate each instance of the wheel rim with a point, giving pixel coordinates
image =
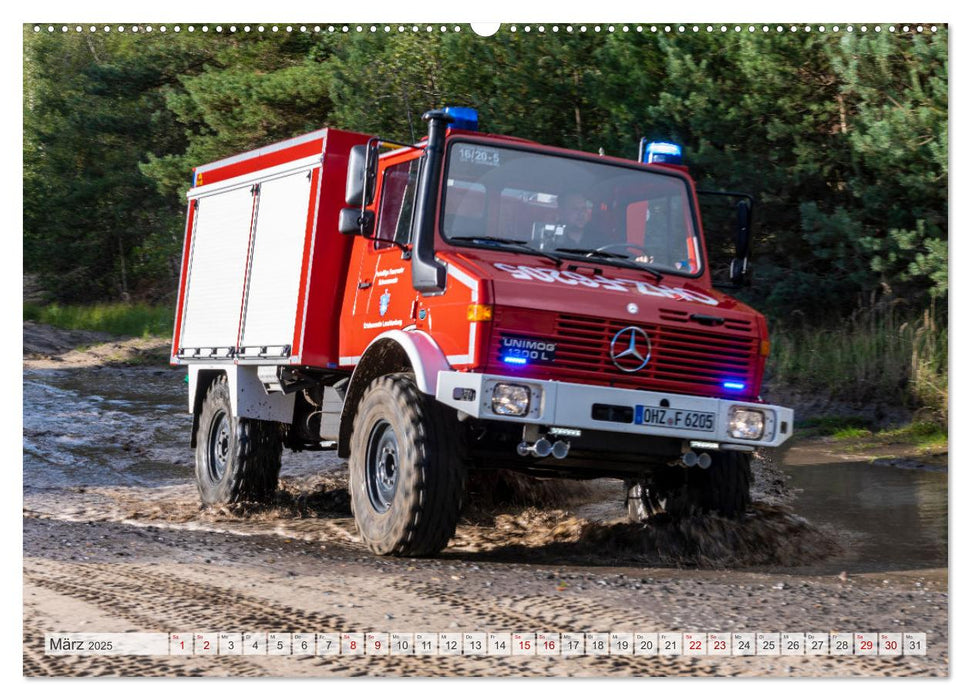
(381, 468)
(219, 437)
(647, 501)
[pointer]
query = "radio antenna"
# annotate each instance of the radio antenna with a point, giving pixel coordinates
(411, 126)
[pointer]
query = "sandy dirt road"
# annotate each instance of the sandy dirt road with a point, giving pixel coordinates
(114, 540)
(125, 561)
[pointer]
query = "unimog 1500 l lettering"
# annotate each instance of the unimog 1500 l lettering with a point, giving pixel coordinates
(471, 301)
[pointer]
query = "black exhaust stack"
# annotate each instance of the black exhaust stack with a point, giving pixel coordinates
(427, 274)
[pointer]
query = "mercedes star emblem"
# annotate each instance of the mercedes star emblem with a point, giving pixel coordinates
(630, 349)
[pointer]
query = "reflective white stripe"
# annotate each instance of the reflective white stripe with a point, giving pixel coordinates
(258, 152)
(473, 284)
(468, 280)
(254, 177)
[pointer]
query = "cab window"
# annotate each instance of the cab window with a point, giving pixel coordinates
(397, 204)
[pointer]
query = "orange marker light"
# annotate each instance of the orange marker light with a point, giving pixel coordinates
(479, 312)
(764, 348)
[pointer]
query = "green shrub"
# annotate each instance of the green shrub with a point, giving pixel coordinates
(118, 319)
(876, 355)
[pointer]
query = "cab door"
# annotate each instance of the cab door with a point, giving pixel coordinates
(384, 298)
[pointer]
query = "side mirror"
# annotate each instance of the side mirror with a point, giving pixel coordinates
(740, 272)
(354, 221)
(361, 174)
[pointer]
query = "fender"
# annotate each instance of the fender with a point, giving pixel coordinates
(424, 356)
(392, 351)
(247, 396)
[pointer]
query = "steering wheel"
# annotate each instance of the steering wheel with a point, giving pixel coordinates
(624, 246)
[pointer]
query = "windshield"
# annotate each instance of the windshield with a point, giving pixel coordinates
(569, 206)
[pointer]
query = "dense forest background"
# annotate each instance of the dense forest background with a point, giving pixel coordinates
(841, 136)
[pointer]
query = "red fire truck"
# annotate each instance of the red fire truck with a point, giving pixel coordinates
(472, 301)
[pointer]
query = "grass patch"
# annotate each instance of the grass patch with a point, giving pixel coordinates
(138, 320)
(823, 426)
(851, 433)
(876, 355)
(924, 435)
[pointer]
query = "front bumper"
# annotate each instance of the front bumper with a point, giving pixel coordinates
(569, 405)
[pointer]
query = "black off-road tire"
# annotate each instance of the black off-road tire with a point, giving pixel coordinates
(723, 488)
(671, 491)
(728, 482)
(237, 459)
(407, 469)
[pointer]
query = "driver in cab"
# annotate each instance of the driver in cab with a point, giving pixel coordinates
(576, 211)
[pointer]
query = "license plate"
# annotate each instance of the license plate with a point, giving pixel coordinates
(675, 418)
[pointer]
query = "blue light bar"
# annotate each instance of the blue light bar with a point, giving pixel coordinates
(464, 118)
(515, 360)
(736, 386)
(660, 152)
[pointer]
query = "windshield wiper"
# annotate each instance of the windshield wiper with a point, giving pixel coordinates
(594, 253)
(520, 245)
(643, 266)
(606, 254)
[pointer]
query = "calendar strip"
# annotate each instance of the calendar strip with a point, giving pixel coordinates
(536, 643)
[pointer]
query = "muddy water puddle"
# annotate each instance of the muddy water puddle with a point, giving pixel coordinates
(110, 427)
(100, 427)
(97, 440)
(113, 445)
(884, 517)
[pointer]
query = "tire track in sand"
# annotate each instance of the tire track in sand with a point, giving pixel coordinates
(535, 613)
(538, 613)
(140, 595)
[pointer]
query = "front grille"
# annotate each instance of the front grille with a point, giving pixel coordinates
(741, 325)
(685, 357)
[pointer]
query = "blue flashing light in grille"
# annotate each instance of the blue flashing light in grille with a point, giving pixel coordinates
(515, 360)
(464, 118)
(734, 386)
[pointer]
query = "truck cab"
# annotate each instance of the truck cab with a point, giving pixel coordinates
(507, 304)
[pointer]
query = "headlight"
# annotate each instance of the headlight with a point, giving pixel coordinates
(510, 400)
(745, 423)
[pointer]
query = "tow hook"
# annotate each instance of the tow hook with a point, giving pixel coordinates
(544, 448)
(693, 459)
